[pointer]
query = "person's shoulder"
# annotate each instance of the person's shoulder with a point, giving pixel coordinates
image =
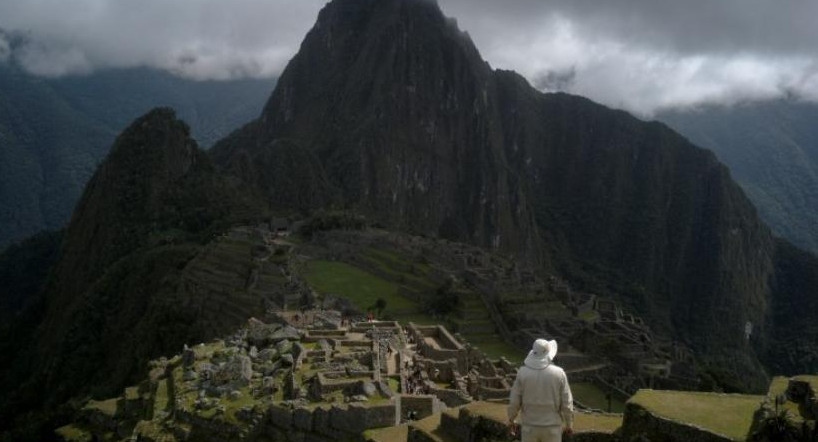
(556, 369)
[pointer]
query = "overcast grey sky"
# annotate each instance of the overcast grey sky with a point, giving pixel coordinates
(641, 55)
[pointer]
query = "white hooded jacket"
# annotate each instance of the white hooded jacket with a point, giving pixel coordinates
(543, 395)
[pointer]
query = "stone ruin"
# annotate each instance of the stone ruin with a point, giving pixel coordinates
(279, 380)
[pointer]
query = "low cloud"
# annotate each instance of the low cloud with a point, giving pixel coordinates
(641, 55)
(200, 39)
(5, 49)
(650, 55)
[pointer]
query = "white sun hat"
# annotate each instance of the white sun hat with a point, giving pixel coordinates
(541, 354)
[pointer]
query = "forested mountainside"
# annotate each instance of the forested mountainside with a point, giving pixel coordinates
(54, 132)
(772, 150)
(120, 290)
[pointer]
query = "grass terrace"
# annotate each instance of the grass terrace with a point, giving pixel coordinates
(583, 422)
(495, 347)
(592, 396)
(107, 407)
(73, 433)
(730, 415)
(359, 286)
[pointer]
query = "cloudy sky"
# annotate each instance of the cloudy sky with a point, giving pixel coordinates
(642, 55)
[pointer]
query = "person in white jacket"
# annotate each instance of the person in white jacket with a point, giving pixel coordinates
(542, 393)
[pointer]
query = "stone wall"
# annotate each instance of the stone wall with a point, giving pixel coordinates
(640, 423)
(333, 422)
(423, 405)
(329, 382)
(450, 397)
(450, 348)
(487, 393)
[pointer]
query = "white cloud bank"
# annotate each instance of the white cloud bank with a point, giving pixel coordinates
(641, 55)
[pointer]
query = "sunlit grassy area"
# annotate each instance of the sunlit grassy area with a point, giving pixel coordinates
(419, 319)
(730, 415)
(779, 385)
(107, 406)
(364, 288)
(592, 396)
(388, 434)
(161, 400)
(397, 267)
(596, 422)
(72, 433)
(360, 287)
(394, 385)
(495, 347)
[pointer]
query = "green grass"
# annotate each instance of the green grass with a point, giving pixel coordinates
(394, 385)
(388, 434)
(132, 393)
(779, 386)
(397, 267)
(231, 407)
(161, 401)
(592, 396)
(495, 347)
(727, 414)
(363, 289)
(73, 433)
(419, 319)
(596, 422)
(360, 287)
(108, 406)
(589, 316)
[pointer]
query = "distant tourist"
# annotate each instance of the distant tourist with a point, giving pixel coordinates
(542, 393)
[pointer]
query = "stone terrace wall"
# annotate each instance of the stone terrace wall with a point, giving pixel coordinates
(424, 405)
(468, 426)
(639, 422)
(451, 349)
(335, 422)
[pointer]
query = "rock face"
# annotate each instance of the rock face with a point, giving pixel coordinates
(388, 109)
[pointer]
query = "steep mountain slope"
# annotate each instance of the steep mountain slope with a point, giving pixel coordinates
(118, 294)
(54, 132)
(23, 269)
(772, 150)
(403, 121)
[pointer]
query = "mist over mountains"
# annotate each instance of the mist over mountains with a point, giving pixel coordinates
(54, 132)
(771, 148)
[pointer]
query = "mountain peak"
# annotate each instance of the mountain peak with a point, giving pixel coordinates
(364, 47)
(123, 197)
(157, 143)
